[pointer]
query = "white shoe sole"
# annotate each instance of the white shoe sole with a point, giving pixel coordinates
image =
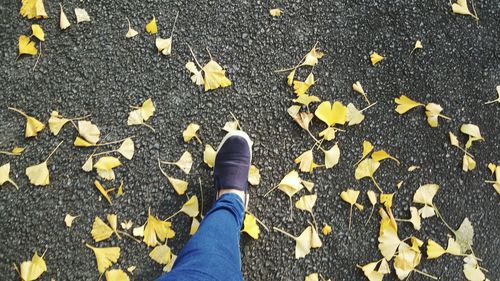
(238, 133)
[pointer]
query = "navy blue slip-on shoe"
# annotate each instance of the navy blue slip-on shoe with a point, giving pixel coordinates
(232, 162)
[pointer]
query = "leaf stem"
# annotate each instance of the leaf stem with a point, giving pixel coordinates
(369, 105)
(350, 216)
(53, 151)
(201, 191)
(194, 57)
(376, 184)
(105, 152)
(149, 126)
(129, 236)
(173, 27)
(259, 221)
(18, 111)
(38, 58)
(113, 142)
(425, 274)
(175, 214)
(370, 216)
(441, 217)
(291, 207)
(270, 190)
(284, 232)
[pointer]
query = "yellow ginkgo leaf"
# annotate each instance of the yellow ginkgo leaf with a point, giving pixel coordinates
(315, 240)
(130, 32)
(197, 76)
(179, 186)
(301, 87)
(304, 119)
(354, 116)
(33, 269)
(151, 27)
(185, 162)
(332, 156)
(460, 7)
(405, 104)
(367, 148)
(366, 168)
(142, 113)
(386, 199)
(26, 46)
(302, 243)
(161, 254)
(105, 257)
(156, 229)
(492, 167)
(276, 12)
(370, 272)
(375, 58)
(372, 196)
(473, 132)
(120, 190)
(388, 238)
(90, 132)
(39, 174)
(209, 155)
(250, 226)
(380, 155)
(56, 122)
(33, 126)
(215, 76)
(312, 57)
(331, 114)
(231, 126)
(327, 229)
(81, 15)
(306, 162)
(290, 77)
(168, 267)
(433, 111)
(254, 175)
(68, 220)
(195, 224)
(164, 45)
(190, 132)
(116, 275)
(415, 218)
(359, 89)
(472, 270)
(191, 208)
(424, 195)
(127, 224)
(312, 277)
(126, 149)
(107, 163)
(306, 99)
(81, 142)
(453, 247)
(33, 9)
(497, 99)
(350, 196)
(468, 163)
(454, 140)
(38, 32)
(100, 230)
(306, 203)
(418, 45)
(291, 184)
(4, 175)
(63, 19)
(103, 191)
(16, 151)
(138, 231)
(434, 250)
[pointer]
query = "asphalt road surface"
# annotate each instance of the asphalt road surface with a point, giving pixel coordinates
(91, 68)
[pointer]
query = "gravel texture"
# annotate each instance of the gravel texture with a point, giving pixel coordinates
(91, 68)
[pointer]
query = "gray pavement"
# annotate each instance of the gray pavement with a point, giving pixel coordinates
(92, 69)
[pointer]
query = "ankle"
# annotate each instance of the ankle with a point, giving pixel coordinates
(238, 192)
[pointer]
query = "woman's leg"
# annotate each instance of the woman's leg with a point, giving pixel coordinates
(213, 253)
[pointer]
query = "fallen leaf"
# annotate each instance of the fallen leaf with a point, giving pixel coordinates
(312, 277)
(276, 12)
(39, 174)
(209, 155)
(190, 133)
(101, 231)
(353, 115)
(386, 199)
(4, 175)
(497, 99)
(250, 226)
(161, 254)
(380, 155)
(190, 208)
(366, 168)
(215, 76)
(127, 224)
(33, 269)
(472, 270)
(33, 126)
(179, 186)
(253, 175)
(38, 32)
(164, 45)
(33, 9)
(56, 122)
(126, 149)
(151, 27)
(375, 58)
(81, 15)
(130, 32)
(464, 235)
(155, 229)
(68, 220)
(405, 104)
(302, 243)
(433, 111)
(331, 114)
(350, 196)
(332, 156)
(468, 163)
(357, 87)
(195, 224)
(105, 257)
(168, 267)
(306, 100)
(460, 7)
(116, 275)
(327, 229)
(424, 195)
(184, 163)
(418, 45)
(301, 87)
(306, 162)
(103, 191)
(63, 19)
(90, 132)
(312, 57)
(197, 76)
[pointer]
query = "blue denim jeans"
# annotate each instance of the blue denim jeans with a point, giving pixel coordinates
(213, 253)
